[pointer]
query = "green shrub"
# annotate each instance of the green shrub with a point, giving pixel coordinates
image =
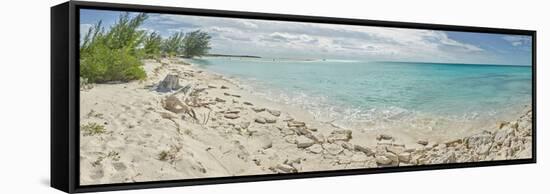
(196, 43)
(113, 55)
(151, 45)
(92, 129)
(173, 45)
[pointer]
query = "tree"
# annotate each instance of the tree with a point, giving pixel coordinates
(173, 45)
(152, 45)
(196, 43)
(113, 55)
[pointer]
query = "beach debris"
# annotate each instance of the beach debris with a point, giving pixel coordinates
(231, 116)
(173, 104)
(248, 103)
(236, 95)
(224, 87)
(312, 129)
(85, 85)
(169, 83)
(265, 142)
(296, 124)
(219, 100)
(244, 125)
(422, 142)
(170, 155)
(315, 148)
(274, 112)
(501, 124)
(384, 137)
(260, 120)
(317, 137)
(212, 86)
(226, 94)
(339, 135)
(258, 109)
(304, 142)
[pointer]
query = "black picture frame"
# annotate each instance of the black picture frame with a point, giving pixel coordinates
(65, 95)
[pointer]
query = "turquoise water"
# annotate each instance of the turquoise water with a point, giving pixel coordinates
(357, 91)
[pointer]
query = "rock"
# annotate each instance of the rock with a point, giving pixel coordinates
(296, 124)
(453, 142)
(501, 124)
(383, 160)
(232, 111)
(226, 94)
(333, 149)
(224, 87)
(260, 120)
(258, 109)
(359, 157)
(502, 135)
(266, 142)
(248, 103)
(212, 86)
(393, 157)
(304, 142)
(347, 146)
(219, 100)
(169, 83)
(448, 157)
(317, 137)
(339, 135)
(395, 149)
(286, 168)
(236, 95)
(364, 149)
(404, 157)
(274, 112)
(231, 116)
(301, 130)
(269, 120)
(422, 142)
(315, 148)
(244, 125)
(312, 129)
(514, 125)
(384, 137)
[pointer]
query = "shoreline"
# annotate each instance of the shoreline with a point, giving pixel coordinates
(216, 128)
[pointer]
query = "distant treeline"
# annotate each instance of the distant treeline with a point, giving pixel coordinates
(115, 54)
(226, 55)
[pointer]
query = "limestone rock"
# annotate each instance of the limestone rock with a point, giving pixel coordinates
(315, 148)
(231, 116)
(274, 112)
(332, 148)
(304, 142)
(260, 120)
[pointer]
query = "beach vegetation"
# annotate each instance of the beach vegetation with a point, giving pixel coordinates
(196, 44)
(92, 129)
(114, 54)
(173, 45)
(152, 45)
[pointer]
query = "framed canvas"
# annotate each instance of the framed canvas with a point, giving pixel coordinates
(149, 96)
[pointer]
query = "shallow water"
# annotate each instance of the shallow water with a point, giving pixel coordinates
(358, 93)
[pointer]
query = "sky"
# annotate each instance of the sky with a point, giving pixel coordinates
(281, 39)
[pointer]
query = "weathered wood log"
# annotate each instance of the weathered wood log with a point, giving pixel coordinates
(169, 83)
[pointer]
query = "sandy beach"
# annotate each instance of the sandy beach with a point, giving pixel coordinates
(199, 124)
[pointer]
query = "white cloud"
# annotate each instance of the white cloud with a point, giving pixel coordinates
(518, 40)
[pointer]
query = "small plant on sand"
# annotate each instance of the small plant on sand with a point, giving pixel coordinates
(113, 155)
(92, 129)
(170, 155)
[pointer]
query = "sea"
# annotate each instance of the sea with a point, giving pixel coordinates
(371, 95)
